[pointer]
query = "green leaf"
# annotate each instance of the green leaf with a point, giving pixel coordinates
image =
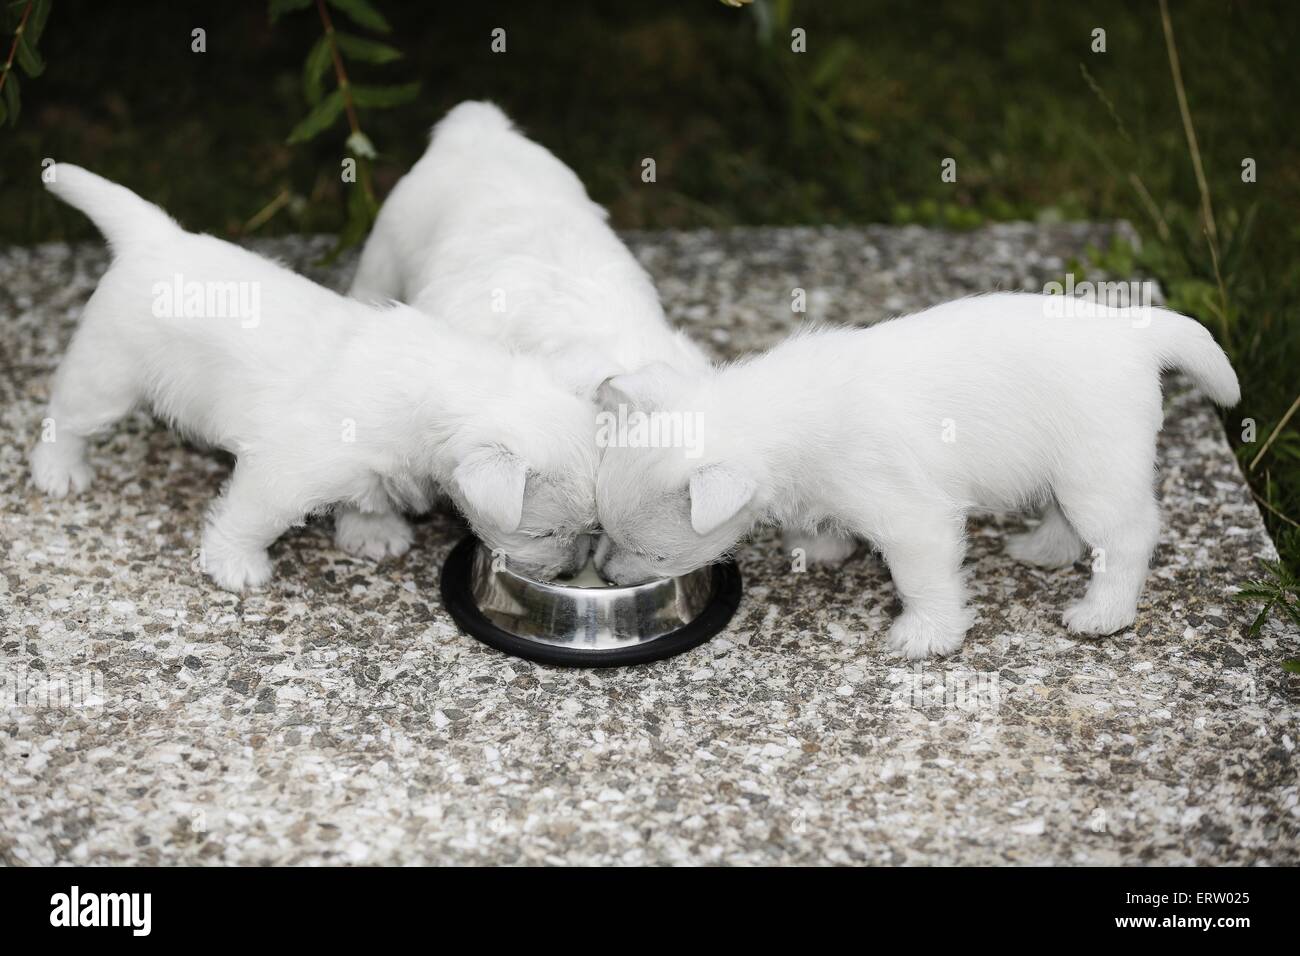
(1290, 611)
(321, 118)
(29, 59)
(36, 22)
(1291, 665)
(362, 210)
(382, 97)
(363, 14)
(280, 7)
(362, 201)
(313, 71)
(1254, 594)
(3, 112)
(367, 51)
(1280, 593)
(12, 99)
(1258, 623)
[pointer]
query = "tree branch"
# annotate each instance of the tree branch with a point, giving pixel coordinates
(340, 74)
(18, 38)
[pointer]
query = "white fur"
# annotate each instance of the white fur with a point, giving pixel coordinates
(894, 433)
(491, 232)
(324, 401)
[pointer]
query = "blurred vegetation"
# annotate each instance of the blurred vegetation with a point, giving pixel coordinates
(336, 52)
(745, 131)
(21, 23)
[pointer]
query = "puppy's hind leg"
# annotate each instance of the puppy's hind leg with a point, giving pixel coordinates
(1053, 544)
(826, 548)
(1121, 524)
(94, 387)
(374, 534)
(250, 514)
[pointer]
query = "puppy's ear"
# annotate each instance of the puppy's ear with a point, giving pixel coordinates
(492, 481)
(649, 387)
(718, 492)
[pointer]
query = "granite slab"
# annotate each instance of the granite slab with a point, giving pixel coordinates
(340, 717)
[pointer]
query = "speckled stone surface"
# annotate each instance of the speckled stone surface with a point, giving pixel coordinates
(340, 717)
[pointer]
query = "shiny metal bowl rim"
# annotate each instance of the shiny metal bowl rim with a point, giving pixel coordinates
(685, 615)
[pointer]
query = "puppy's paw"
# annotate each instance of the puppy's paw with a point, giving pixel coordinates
(914, 636)
(827, 550)
(231, 567)
(373, 536)
(58, 472)
(1093, 616)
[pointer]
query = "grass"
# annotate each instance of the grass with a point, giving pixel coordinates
(744, 131)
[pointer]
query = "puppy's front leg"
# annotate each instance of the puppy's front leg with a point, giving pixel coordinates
(248, 516)
(925, 563)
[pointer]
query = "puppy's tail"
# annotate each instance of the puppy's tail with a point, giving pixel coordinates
(1185, 344)
(119, 214)
(467, 120)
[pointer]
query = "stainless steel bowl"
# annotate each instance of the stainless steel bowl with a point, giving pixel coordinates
(554, 622)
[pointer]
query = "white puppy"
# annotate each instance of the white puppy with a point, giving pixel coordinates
(324, 400)
(492, 232)
(895, 432)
